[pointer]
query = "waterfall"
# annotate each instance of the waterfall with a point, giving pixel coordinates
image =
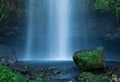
(59, 28)
(63, 25)
(29, 33)
(55, 44)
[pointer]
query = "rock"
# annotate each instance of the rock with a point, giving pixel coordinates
(86, 80)
(53, 70)
(39, 72)
(56, 71)
(20, 67)
(113, 35)
(7, 55)
(89, 77)
(26, 70)
(30, 76)
(90, 59)
(63, 73)
(75, 69)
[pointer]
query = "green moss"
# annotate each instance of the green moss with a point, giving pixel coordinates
(94, 78)
(101, 5)
(3, 10)
(38, 79)
(108, 5)
(6, 75)
(86, 74)
(117, 9)
(90, 58)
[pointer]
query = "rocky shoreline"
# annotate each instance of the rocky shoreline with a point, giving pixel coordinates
(55, 74)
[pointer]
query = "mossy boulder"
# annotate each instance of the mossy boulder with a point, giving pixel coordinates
(90, 59)
(89, 77)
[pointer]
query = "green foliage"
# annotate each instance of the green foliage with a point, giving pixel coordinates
(3, 10)
(86, 74)
(102, 5)
(111, 5)
(117, 9)
(6, 75)
(93, 77)
(8, 8)
(38, 79)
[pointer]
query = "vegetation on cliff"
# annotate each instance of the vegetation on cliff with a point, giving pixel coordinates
(12, 16)
(108, 5)
(11, 10)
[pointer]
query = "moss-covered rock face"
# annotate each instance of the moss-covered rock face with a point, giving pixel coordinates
(108, 5)
(89, 77)
(102, 5)
(90, 59)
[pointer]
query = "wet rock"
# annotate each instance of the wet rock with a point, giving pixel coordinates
(4, 61)
(74, 69)
(31, 76)
(86, 80)
(39, 72)
(53, 70)
(20, 67)
(90, 60)
(63, 73)
(114, 35)
(26, 70)
(56, 71)
(7, 55)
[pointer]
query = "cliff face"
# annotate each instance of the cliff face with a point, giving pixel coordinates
(12, 14)
(9, 7)
(105, 20)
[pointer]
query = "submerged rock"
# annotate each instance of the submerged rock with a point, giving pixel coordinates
(90, 59)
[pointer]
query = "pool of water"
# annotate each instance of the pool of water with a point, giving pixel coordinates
(68, 69)
(69, 72)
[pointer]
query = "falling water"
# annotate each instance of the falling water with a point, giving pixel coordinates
(63, 25)
(55, 45)
(59, 28)
(29, 33)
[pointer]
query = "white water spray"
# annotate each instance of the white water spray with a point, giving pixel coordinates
(57, 28)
